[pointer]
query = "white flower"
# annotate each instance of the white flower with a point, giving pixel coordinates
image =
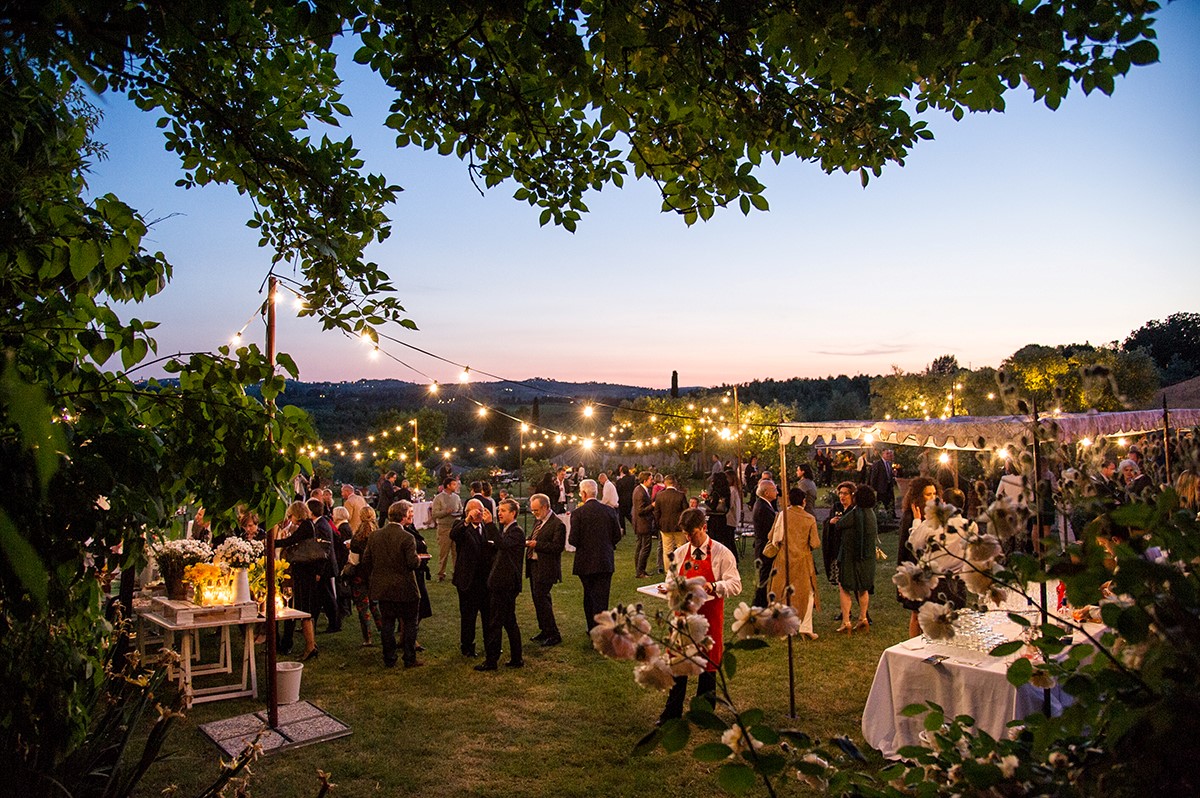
(745, 621)
(238, 552)
(983, 548)
(618, 632)
(914, 581)
(937, 620)
(997, 595)
(689, 661)
(739, 741)
(814, 759)
(979, 577)
(1008, 765)
(1003, 518)
(686, 595)
(185, 551)
(655, 674)
(779, 620)
(1041, 679)
(954, 774)
(1057, 759)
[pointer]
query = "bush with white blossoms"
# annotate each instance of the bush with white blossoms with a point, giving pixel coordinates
(237, 552)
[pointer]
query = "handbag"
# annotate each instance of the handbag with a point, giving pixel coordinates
(307, 551)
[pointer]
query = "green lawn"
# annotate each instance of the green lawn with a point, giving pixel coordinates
(564, 725)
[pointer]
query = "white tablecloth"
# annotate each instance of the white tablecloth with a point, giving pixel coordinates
(968, 683)
(423, 515)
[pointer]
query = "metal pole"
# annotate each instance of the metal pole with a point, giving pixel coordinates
(787, 574)
(1166, 440)
(269, 551)
(1040, 541)
(737, 441)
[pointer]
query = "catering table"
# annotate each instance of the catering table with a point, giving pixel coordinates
(423, 515)
(190, 663)
(965, 683)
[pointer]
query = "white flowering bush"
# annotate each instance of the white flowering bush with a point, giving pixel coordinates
(237, 552)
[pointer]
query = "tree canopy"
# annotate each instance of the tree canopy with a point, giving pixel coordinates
(558, 99)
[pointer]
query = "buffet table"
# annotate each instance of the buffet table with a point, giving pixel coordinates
(190, 662)
(423, 515)
(965, 682)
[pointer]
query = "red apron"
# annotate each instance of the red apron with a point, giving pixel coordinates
(713, 610)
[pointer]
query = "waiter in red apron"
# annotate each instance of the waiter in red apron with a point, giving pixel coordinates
(706, 558)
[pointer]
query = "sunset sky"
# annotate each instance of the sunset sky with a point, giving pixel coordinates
(1030, 226)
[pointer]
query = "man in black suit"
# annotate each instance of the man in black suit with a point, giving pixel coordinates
(626, 482)
(883, 480)
(669, 505)
(386, 493)
(389, 564)
(643, 523)
(504, 584)
(595, 532)
(544, 566)
(474, 536)
(763, 517)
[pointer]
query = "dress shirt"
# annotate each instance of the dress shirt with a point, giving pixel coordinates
(728, 582)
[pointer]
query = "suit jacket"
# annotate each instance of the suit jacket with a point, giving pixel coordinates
(595, 531)
(505, 575)
(625, 486)
(475, 553)
(390, 562)
(549, 541)
(763, 517)
(669, 504)
(643, 512)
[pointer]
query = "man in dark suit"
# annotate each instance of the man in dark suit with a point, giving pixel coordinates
(386, 493)
(883, 479)
(669, 504)
(763, 517)
(595, 532)
(643, 523)
(474, 536)
(544, 566)
(626, 482)
(504, 584)
(390, 563)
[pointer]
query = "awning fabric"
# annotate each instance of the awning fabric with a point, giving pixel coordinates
(985, 433)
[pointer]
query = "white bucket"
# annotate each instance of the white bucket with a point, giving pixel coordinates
(287, 681)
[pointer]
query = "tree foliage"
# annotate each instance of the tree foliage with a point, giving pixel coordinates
(1173, 343)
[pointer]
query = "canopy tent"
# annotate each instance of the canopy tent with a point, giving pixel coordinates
(984, 433)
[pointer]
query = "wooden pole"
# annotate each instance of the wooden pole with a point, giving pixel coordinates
(787, 575)
(1040, 542)
(1166, 440)
(269, 552)
(737, 441)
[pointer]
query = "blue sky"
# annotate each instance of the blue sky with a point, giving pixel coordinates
(1030, 226)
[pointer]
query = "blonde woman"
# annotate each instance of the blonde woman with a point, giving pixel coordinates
(1187, 485)
(358, 585)
(794, 582)
(304, 574)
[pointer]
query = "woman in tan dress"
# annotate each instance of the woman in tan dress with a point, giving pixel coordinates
(799, 571)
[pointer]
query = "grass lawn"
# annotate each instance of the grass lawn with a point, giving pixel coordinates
(562, 726)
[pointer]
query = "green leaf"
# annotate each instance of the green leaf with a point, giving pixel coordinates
(749, 644)
(934, 721)
(913, 710)
(1020, 672)
(1019, 620)
(23, 560)
(712, 752)
(729, 663)
(28, 409)
(1004, 649)
(707, 720)
(736, 778)
(675, 734)
(1142, 53)
(648, 742)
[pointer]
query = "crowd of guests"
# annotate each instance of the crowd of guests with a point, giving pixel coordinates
(365, 556)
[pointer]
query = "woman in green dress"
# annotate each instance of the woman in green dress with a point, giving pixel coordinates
(856, 558)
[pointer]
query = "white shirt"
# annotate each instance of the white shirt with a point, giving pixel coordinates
(608, 494)
(728, 582)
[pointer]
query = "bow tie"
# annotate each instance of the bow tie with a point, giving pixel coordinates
(698, 554)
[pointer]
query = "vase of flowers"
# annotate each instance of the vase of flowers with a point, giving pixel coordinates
(172, 557)
(239, 554)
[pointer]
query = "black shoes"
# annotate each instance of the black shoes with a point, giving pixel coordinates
(539, 637)
(311, 655)
(547, 642)
(513, 663)
(485, 666)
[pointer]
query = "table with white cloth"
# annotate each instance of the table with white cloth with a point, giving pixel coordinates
(967, 682)
(190, 662)
(423, 515)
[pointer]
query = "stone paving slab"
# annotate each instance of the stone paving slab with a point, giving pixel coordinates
(300, 724)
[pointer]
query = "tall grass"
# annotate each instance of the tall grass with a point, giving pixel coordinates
(562, 726)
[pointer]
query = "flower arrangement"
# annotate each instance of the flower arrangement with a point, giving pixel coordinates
(181, 553)
(210, 583)
(258, 578)
(238, 552)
